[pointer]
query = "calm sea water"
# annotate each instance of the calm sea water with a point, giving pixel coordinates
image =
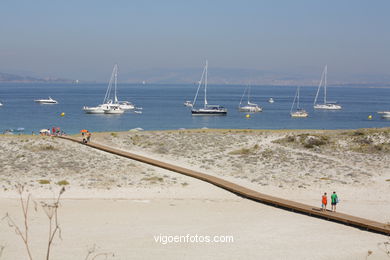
(163, 107)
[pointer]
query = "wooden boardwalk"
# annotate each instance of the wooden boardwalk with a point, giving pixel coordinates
(362, 223)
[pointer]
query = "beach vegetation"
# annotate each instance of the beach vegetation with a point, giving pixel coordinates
(44, 182)
(311, 141)
(153, 179)
(63, 183)
(290, 139)
(184, 184)
(371, 148)
(42, 147)
(267, 153)
(51, 211)
(245, 151)
(358, 132)
(136, 139)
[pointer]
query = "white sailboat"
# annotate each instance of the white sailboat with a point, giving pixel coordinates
(248, 107)
(46, 101)
(110, 105)
(299, 112)
(326, 105)
(207, 109)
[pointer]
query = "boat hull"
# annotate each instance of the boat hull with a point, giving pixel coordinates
(93, 110)
(250, 109)
(114, 111)
(45, 102)
(200, 112)
(299, 114)
(328, 107)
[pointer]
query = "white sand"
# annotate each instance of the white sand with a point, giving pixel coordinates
(119, 204)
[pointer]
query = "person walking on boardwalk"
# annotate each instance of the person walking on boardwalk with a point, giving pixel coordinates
(324, 201)
(335, 200)
(88, 136)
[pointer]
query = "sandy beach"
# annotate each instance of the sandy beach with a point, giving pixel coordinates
(120, 205)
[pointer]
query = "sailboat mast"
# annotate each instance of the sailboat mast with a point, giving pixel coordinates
(326, 72)
(242, 96)
(292, 106)
(205, 86)
(298, 98)
(115, 83)
(319, 86)
(249, 92)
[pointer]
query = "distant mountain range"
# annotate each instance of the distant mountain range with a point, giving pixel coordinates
(7, 77)
(216, 76)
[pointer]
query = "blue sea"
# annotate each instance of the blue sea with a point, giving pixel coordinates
(163, 107)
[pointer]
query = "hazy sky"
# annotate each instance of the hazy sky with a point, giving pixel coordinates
(84, 38)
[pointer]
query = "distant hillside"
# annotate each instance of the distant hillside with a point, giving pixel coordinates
(7, 77)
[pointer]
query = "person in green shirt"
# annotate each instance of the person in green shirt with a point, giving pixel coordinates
(334, 200)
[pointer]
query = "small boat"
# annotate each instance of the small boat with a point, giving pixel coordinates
(1, 104)
(271, 100)
(46, 101)
(126, 105)
(326, 105)
(188, 103)
(385, 114)
(207, 110)
(299, 112)
(249, 107)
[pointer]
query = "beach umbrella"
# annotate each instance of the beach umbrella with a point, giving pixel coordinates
(84, 131)
(44, 131)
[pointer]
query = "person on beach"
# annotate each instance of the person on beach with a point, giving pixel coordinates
(88, 136)
(324, 201)
(335, 200)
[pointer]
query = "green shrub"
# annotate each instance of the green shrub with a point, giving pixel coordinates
(63, 183)
(44, 182)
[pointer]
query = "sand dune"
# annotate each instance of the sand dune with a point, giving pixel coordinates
(120, 204)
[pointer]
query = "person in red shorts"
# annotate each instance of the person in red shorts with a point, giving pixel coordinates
(324, 201)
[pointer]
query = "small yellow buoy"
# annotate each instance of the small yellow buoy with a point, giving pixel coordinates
(62, 114)
(370, 117)
(248, 116)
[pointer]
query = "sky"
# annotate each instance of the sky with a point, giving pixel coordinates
(84, 39)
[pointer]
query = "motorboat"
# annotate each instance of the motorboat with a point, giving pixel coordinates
(126, 105)
(385, 114)
(271, 100)
(188, 103)
(46, 101)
